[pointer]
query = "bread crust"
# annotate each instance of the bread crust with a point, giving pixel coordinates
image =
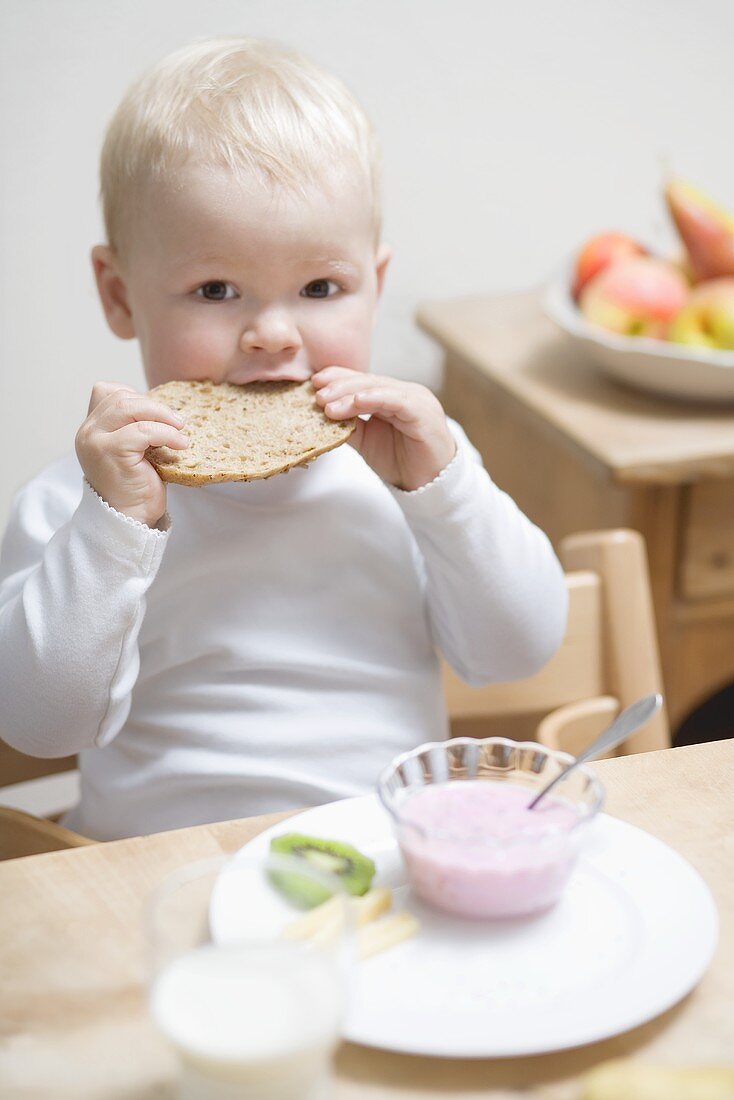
(267, 428)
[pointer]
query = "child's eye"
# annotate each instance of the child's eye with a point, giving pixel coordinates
(319, 288)
(215, 291)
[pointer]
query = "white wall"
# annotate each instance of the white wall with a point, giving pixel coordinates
(510, 131)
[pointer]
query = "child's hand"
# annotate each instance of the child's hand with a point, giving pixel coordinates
(407, 439)
(111, 445)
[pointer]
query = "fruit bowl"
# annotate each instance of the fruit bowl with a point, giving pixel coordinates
(655, 366)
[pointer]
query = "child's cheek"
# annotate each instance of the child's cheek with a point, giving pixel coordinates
(187, 354)
(345, 345)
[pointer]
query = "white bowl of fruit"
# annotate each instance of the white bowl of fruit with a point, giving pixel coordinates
(657, 324)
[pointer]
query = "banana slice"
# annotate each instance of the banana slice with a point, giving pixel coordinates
(323, 924)
(384, 933)
(624, 1080)
(371, 905)
(364, 909)
(323, 916)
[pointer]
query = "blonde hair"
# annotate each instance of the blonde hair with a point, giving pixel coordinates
(244, 104)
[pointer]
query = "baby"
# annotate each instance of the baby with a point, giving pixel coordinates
(242, 648)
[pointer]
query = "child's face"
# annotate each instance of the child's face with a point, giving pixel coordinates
(231, 283)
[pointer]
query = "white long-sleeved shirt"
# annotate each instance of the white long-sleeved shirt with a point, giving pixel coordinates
(271, 644)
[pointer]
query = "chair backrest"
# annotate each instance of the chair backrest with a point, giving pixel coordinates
(39, 786)
(610, 651)
(575, 672)
(21, 835)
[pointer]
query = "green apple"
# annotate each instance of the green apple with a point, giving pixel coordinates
(707, 319)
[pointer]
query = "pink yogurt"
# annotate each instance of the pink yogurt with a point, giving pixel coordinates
(472, 847)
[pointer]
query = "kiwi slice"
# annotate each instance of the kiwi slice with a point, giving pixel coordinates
(355, 870)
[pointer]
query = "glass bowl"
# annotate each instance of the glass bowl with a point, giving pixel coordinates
(470, 845)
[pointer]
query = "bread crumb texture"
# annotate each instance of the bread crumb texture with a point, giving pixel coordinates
(242, 433)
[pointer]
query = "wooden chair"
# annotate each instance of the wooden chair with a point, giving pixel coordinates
(22, 834)
(45, 787)
(608, 658)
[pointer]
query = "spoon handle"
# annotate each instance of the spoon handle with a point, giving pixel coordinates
(623, 725)
(619, 730)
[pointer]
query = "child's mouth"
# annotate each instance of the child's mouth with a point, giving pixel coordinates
(290, 372)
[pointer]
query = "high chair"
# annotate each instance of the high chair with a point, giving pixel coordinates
(45, 787)
(608, 658)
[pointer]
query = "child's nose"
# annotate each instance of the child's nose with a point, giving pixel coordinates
(271, 332)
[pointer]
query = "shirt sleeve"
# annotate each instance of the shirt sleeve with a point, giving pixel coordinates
(497, 595)
(72, 600)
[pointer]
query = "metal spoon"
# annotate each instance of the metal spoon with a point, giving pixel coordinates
(623, 725)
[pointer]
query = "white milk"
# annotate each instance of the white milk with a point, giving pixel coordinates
(251, 1022)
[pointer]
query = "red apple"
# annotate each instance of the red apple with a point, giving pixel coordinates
(599, 252)
(637, 296)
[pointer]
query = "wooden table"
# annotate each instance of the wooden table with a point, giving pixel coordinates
(580, 452)
(72, 1012)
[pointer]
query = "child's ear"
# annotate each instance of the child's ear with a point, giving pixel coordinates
(384, 255)
(112, 291)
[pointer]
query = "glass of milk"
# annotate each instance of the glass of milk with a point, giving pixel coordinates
(248, 986)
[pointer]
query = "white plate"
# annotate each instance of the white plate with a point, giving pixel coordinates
(634, 932)
(655, 366)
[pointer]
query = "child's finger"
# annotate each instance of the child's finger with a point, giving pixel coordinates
(137, 437)
(329, 374)
(102, 390)
(386, 403)
(128, 408)
(354, 383)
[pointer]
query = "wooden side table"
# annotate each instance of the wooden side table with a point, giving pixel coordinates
(579, 452)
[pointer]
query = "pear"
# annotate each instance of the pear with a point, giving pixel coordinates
(707, 230)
